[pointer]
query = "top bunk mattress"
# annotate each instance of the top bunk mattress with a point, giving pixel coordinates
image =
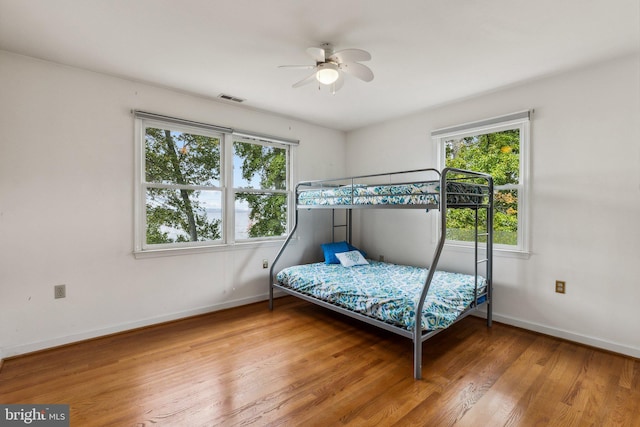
(386, 292)
(421, 194)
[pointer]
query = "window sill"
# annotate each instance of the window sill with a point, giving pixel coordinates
(238, 246)
(497, 251)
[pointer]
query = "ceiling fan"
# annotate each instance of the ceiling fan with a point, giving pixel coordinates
(330, 66)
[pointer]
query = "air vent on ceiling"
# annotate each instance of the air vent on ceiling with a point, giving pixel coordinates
(230, 98)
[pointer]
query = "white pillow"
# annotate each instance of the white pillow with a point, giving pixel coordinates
(351, 258)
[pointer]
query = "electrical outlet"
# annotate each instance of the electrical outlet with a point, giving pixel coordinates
(560, 286)
(60, 291)
(265, 263)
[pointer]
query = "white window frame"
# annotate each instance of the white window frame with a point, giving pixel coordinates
(226, 187)
(497, 124)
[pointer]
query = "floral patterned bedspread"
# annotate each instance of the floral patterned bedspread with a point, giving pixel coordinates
(387, 292)
(423, 193)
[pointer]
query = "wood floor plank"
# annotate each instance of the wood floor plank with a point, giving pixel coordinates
(304, 365)
(500, 403)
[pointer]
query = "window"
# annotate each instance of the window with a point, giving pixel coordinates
(201, 186)
(261, 189)
(498, 147)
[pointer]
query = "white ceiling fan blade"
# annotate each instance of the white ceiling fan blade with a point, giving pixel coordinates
(357, 70)
(306, 80)
(317, 53)
(350, 55)
(301, 67)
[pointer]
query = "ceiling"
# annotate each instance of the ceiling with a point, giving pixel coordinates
(424, 52)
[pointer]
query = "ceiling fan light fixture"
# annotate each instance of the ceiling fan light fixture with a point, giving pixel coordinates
(331, 67)
(327, 73)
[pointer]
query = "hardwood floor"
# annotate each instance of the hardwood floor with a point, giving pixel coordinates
(301, 365)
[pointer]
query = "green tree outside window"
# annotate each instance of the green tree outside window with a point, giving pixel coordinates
(263, 187)
(183, 172)
(497, 154)
(184, 187)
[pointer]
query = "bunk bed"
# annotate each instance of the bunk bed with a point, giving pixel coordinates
(391, 296)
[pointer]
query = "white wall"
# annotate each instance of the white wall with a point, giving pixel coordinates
(66, 207)
(585, 201)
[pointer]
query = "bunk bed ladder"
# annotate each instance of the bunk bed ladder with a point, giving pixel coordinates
(488, 244)
(489, 254)
(346, 225)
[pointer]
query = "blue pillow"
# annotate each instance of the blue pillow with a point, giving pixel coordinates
(331, 249)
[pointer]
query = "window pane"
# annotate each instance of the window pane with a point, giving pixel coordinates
(258, 166)
(260, 215)
(495, 153)
(182, 215)
(505, 218)
(461, 222)
(173, 157)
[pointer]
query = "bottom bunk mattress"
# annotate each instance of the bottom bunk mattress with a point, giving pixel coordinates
(387, 292)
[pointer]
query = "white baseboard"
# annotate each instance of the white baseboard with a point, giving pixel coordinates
(567, 335)
(69, 339)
